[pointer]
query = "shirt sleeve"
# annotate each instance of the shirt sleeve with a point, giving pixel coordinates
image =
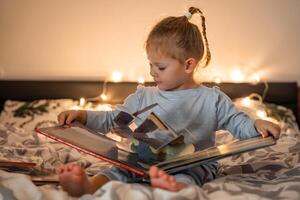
(103, 120)
(239, 124)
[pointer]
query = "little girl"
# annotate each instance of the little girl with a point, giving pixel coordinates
(175, 47)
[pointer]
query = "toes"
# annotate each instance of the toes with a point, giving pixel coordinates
(165, 177)
(161, 173)
(153, 172)
(173, 186)
(172, 179)
(77, 170)
(59, 170)
(161, 179)
(62, 169)
(70, 167)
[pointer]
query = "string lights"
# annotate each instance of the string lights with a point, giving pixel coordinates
(81, 102)
(141, 80)
(252, 101)
(237, 76)
(217, 80)
(116, 77)
(253, 105)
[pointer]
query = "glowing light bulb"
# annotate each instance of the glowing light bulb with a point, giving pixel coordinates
(103, 97)
(116, 76)
(261, 114)
(237, 75)
(246, 102)
(81, 102)
(217, 80)
(141, 80)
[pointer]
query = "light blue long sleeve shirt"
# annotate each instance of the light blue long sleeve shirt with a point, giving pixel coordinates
(201, 111)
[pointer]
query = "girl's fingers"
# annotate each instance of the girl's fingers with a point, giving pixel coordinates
(61, 118)
(66, 117)
(69, 119)
(272, 130)
(275, 131)
(264, 133)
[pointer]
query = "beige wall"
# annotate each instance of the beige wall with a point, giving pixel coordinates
(88, 39)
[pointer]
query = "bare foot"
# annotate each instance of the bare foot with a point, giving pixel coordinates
(161, 179)
(74, 180)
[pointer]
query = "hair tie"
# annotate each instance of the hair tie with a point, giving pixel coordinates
(188, 15)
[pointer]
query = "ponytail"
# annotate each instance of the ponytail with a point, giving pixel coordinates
(192, 11)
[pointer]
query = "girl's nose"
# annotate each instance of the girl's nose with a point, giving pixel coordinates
(152, 73)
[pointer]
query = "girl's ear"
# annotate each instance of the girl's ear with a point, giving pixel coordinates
(190, 65)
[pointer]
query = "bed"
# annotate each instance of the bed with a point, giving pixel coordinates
(270, 173)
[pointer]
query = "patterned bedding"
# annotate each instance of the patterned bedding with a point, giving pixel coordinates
(270, 173)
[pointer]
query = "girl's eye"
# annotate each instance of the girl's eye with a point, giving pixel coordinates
(161, 68)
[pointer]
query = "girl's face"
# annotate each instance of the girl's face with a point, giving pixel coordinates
(168, 73)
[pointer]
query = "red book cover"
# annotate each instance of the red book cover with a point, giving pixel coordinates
(95, 144)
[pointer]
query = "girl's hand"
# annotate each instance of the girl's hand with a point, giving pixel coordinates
(265, 128)
(67, 117)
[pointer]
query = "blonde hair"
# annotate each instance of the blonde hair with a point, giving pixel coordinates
(180, 39)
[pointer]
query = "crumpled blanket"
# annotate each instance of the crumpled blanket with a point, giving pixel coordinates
(240, 186)
(270, 173)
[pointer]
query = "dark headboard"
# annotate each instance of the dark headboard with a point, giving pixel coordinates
(281, 93)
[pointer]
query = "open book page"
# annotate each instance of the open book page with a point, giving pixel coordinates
(151, 129)
(81, 137)
(95, 144)
(215, 153)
